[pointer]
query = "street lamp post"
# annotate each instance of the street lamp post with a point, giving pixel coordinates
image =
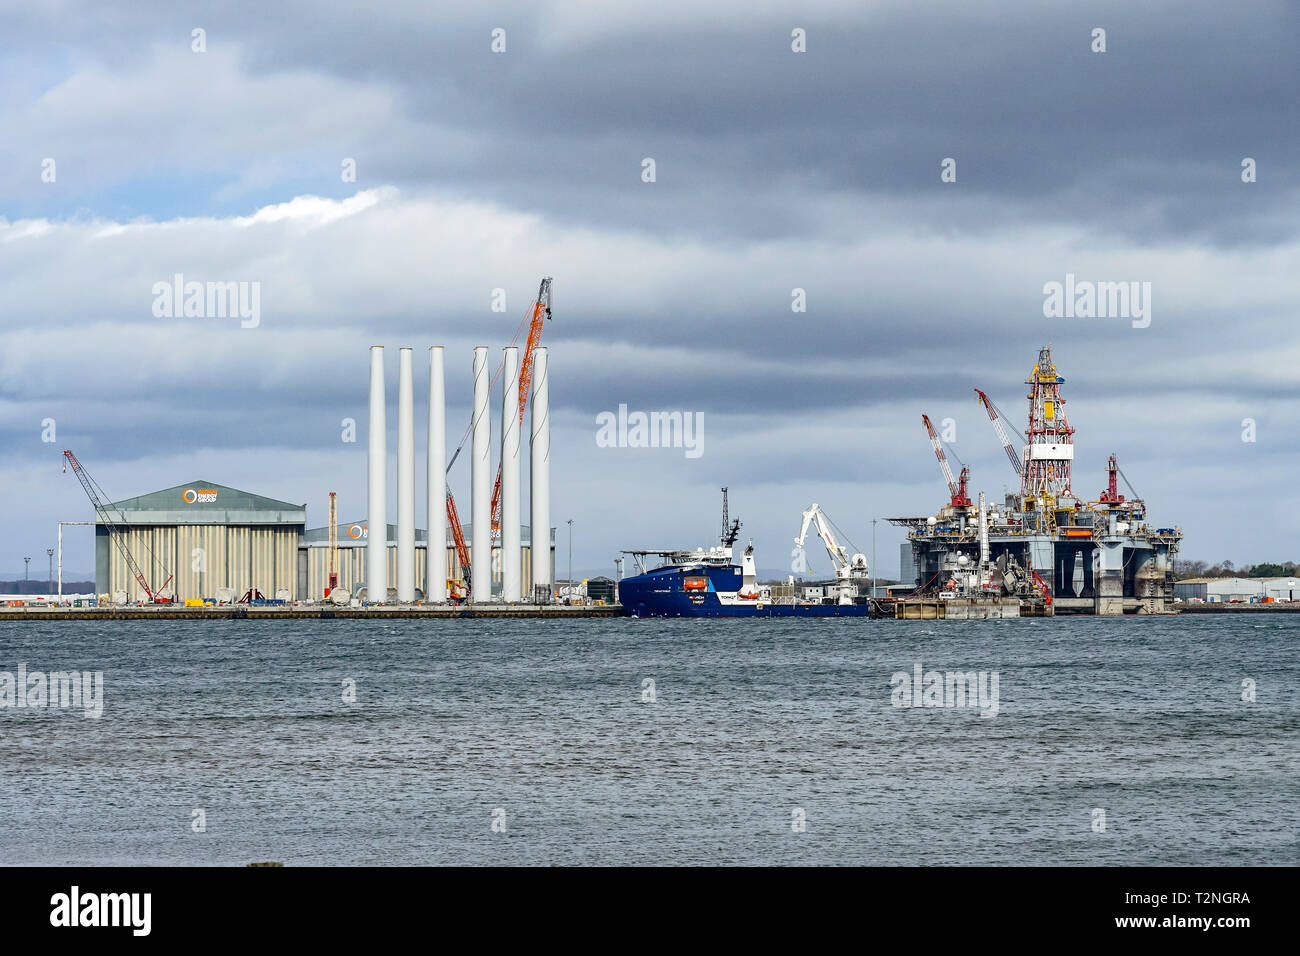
(50, 587)
(570, 522)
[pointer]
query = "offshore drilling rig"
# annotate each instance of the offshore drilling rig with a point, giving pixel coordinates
(1046, 550)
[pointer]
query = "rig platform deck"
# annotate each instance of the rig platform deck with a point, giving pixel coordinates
(930, 609)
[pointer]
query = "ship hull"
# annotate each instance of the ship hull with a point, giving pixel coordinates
(712, 592)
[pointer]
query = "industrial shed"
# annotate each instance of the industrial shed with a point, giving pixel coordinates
(1242, 590)
(1281, 589)
(206, 536)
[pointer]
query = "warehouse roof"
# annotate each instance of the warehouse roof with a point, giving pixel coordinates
(207, 502)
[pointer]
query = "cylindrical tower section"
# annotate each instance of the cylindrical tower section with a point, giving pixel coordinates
(377, 520)
(539, 458)
(435, 563)
(511, 555)
(405, 479)
(481, 483)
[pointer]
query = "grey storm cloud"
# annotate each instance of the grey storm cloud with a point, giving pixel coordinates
(776, 171)
(1140, 140)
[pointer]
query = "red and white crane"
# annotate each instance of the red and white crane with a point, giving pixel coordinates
(996, 417)
(956, 487)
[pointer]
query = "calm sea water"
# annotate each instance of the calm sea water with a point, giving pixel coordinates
(1140, 717)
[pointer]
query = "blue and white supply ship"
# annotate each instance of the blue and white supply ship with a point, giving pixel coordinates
(706, 582)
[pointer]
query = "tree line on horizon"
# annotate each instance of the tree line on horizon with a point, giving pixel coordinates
(1226, 569)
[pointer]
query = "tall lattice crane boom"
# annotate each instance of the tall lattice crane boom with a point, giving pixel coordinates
(538, 312)
(541, 310)
(111, 521)
(458, 535)
(956, 488)
(996, 418)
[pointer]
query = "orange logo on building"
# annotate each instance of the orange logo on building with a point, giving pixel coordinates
(198, 495)
(356, 531)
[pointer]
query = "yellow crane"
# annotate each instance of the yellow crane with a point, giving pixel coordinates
(333, 557)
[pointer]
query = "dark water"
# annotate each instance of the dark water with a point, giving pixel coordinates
(1142, 718)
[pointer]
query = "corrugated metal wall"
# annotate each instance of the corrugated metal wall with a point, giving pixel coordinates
(204, 558)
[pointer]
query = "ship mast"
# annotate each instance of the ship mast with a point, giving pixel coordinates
(730, 530)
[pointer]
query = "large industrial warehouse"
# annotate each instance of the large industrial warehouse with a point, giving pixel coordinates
(205, 537)
(196, 540)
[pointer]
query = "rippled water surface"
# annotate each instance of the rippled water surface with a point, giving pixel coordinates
(1140, 717)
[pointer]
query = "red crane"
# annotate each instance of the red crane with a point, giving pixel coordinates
(956, 488)
(1111, 495)
(1042, 587)
(541, 310)
(538, 312)
(462, 549)
(111, 522)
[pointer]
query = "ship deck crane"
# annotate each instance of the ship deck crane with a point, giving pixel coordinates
(1111, 495)
(111, 519)
(956, 488)
(997, 418)
(848, 570)
(538, 312)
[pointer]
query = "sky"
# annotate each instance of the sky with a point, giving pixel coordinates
(920, 171)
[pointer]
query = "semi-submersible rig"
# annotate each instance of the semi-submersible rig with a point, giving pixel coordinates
(1045, 550)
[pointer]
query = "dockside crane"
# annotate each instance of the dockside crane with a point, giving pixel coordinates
(956, 487)
(458, 536)
(111, 517)
(848, 570)
(334, 545)
(538, 312)
(541, 311)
